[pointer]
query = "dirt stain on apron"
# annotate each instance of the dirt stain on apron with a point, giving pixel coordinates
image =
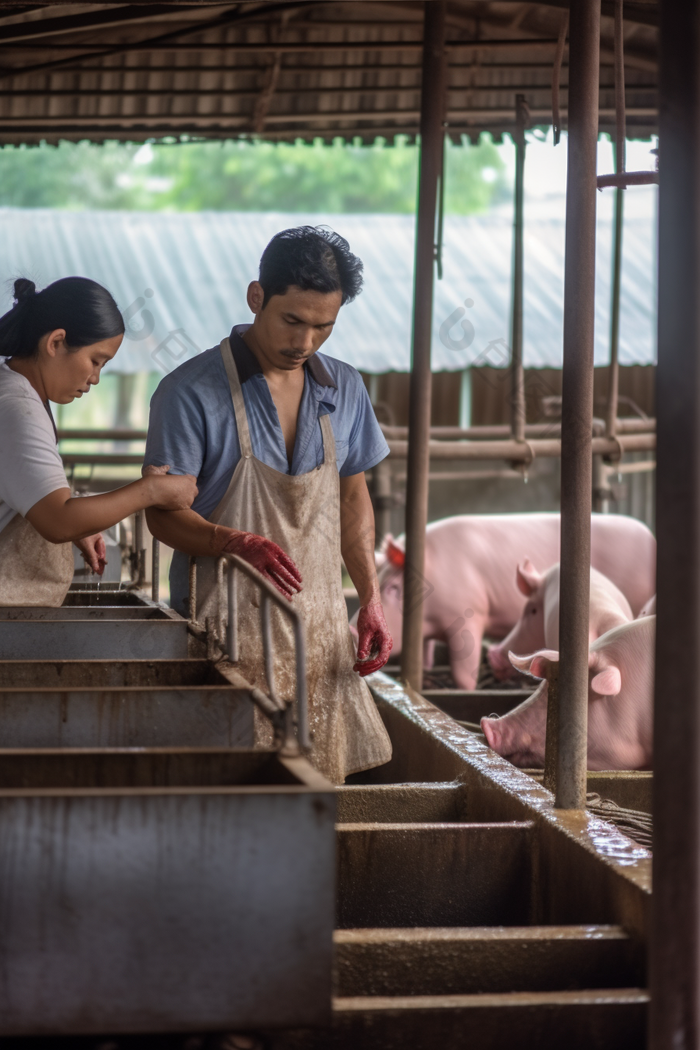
(301, 513)
(32, 570)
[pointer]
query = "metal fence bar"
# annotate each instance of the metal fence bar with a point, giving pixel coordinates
(192, 611)
(517, 407)
(627, 425)
(577, 403)
(675, 902)
(619, 147)
(431, 158)
(266, 629)
(232, 622)
(155, 570)
(517, 450)
(270, 594)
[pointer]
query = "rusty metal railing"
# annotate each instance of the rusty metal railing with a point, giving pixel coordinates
(277, 709)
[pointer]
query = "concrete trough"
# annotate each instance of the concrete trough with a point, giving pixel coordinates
(174, 907)
(78, 612)
(129, 716)
(107, 674)
(481, 960)
(105, 595)
(475, 704)
(393, 875)
(89, 639)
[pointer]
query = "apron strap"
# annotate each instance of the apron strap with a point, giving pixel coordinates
(237, 398)
(328, 441)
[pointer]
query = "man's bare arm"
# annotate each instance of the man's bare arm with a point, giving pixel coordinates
(187, 531)
(357, 547)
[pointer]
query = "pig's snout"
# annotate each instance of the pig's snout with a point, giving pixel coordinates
(499, 662)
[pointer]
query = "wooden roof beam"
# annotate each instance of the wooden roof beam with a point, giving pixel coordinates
(113, 17)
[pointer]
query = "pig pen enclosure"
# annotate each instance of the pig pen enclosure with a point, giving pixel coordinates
(162, 881)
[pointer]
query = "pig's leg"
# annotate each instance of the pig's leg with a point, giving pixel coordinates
(428, 653)
(464, 642)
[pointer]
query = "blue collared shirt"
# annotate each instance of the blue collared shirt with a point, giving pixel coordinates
(192, 426)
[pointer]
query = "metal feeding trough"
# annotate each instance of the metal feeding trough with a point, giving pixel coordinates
(87, 638)
(94, 624)
(164, 891)
(103, 704)
(105, 595)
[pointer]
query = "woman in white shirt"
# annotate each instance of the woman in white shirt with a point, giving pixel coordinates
(55, 344)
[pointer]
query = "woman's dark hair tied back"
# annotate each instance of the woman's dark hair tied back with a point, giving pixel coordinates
(82, 308)
(24, 290)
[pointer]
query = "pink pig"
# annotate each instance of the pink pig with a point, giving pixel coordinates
(538, 625)
(620, 701)
(468, 582)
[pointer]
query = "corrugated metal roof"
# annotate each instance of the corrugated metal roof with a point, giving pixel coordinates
(284, 71)
(182, 279)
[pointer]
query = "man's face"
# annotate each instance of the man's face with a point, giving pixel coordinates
(293, 326)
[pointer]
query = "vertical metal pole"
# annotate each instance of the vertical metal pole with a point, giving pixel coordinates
(613, 374)
(675, 905)
(139, 548)
(517, 406)
(155, 570)
(431, 159)
(383, 500)
(619, 153)
(577, 402)
(192, 601)
(232, 622)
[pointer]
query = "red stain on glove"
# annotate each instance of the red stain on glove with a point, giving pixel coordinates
(269, 559)
(375, 642)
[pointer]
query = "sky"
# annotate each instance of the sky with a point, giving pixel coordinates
(545, 164)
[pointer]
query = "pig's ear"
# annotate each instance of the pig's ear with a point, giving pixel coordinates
(528, 578)
(607, 682)
(395, 555)
(535, 665)
(492, 731)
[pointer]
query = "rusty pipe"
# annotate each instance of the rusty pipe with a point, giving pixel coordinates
(532, 430)
(624, 179)
(620, 165)
(155, 570)
(614, 367)
(521, 451)
(431, 156)
(577, 403)
(517, 378)
(675, 902)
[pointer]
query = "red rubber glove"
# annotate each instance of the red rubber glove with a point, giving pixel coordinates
(94, 552)
(375, 642)
(269, 559)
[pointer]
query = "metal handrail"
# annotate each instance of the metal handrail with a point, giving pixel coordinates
(270, 703)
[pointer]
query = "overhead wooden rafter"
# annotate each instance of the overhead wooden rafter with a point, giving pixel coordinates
(220, 69)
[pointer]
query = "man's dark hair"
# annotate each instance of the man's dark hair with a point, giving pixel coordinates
(312, 258)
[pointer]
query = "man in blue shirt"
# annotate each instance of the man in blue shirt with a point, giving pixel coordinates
(295, 405)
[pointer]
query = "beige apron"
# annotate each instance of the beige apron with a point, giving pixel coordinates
(301, 513)
(32, 570)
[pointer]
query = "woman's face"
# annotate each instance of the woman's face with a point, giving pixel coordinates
(68, 374)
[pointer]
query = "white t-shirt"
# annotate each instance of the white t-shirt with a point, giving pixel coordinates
(30, 464)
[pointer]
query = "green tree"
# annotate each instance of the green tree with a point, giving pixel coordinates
(244, 176)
